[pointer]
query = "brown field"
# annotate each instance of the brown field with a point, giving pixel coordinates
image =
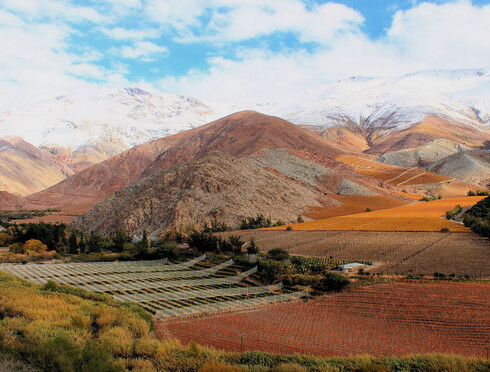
(398, 318)
(396, 176)
(354, 204)
(423, 216)
(393, 252)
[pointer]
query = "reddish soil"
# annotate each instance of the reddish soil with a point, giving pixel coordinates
(386, 319)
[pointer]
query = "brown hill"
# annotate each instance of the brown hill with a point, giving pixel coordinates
(430, 129)
(24, 169)
(215, 186)
(241, 134)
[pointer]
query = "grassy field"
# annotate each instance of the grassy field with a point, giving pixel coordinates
(422, 216)
(393, 252)
(67, 330)
(398, 318)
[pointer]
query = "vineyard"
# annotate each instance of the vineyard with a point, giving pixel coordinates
(390, 174)
(391, 252)
(168, 290)
(423, 216)
(350, 204)
(386, 319)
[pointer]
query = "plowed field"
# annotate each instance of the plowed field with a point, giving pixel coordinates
(387, 319)
(396, 176)
(423, 216)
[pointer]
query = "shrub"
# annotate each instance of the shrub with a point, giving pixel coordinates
(450, 215)
(289, 367)
(278, 254)
(269, 272)
(445, 230)
(34, 245)
(332, 282)
(252, 247)
(256, 222)
(218, 367)
(119, 341)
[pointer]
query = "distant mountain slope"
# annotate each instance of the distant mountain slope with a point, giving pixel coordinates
(88, 129)
(24, 169)
(376, 108)
(472, 167)
(424, 155)
(240, 134)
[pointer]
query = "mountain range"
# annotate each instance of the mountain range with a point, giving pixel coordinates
(144, 161)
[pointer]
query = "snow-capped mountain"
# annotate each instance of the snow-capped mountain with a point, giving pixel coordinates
(460, 96)
(123, 118)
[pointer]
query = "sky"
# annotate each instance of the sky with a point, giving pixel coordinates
(229, 51)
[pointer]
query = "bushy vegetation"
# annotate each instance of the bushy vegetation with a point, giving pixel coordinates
(23, 214)
(478, 193)
(450, 215)
(41, 241)
(260, 221)
(477, 217)
(54, 328)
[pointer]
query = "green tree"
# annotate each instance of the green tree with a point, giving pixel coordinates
(252, 247)
(121, 238)
(73, 243)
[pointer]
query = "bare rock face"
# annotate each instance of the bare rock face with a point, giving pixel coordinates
(216, 186)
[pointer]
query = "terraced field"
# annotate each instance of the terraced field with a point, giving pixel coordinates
(391, 252)
(390, 174)
(168, 290)
(423, 216)
(385, 319)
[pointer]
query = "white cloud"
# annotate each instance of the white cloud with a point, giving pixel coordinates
(54, 9)
(143, 50)
(236, 20)
(428, 36)
(120, 33)
(34, 61)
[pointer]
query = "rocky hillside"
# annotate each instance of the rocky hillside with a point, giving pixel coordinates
(216, 186)
(241, 134)
(472, 167)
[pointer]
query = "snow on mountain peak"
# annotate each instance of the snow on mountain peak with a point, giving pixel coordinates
(125, 118)
(394, 102)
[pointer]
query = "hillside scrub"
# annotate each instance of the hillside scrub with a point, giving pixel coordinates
(55, 328)
(477, 218)
(450, 215)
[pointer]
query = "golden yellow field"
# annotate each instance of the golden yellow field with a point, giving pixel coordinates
(422, 216)
(355, 204)
(390, 174)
